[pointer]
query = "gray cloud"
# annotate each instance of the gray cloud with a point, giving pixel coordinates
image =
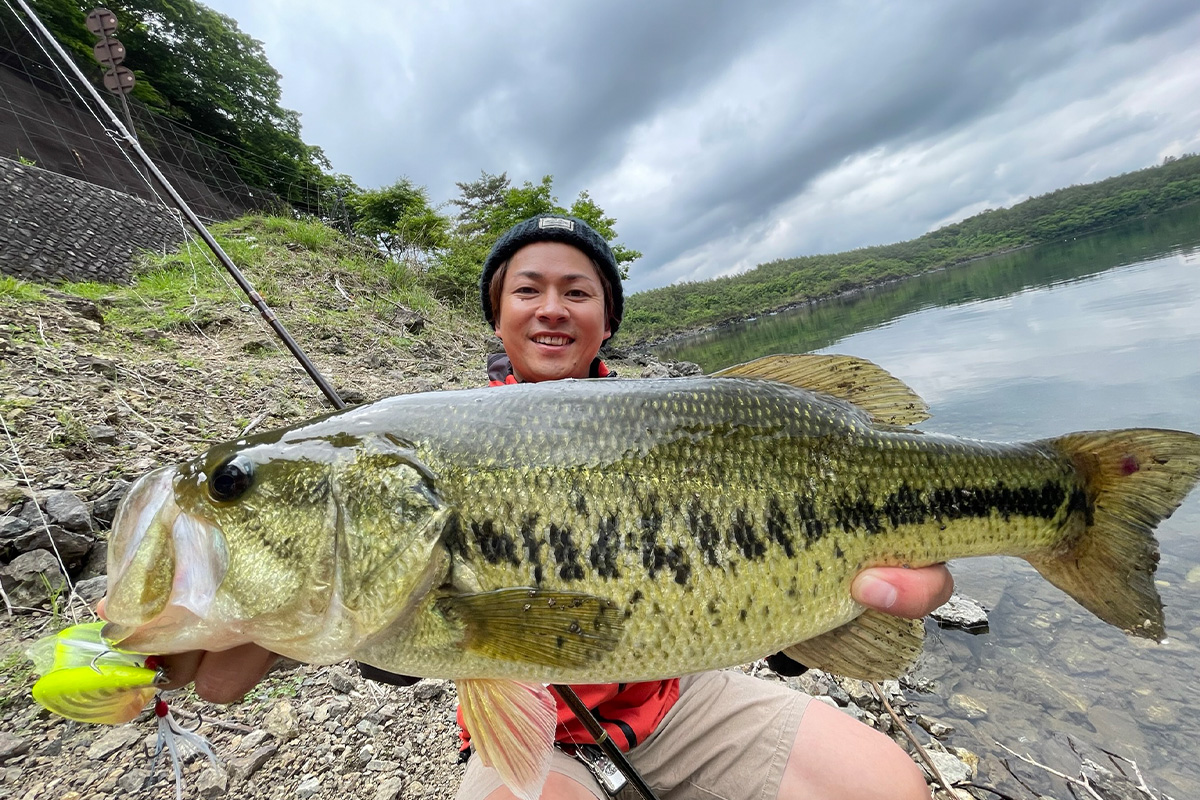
(721, 135)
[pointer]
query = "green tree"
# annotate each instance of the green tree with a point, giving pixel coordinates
(492, 205)
(400, 218)
(195, 66)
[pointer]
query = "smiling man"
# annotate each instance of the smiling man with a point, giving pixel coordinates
(547, 291)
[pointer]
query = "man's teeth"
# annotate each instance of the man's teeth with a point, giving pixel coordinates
(553, 340)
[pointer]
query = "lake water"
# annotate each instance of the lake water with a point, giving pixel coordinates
(1099, 332)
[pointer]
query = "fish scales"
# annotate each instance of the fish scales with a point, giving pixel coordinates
(720, 516)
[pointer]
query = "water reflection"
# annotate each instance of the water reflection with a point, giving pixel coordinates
(1097, 333)
(816, 327)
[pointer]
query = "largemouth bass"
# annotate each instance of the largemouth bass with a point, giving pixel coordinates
(597, 531)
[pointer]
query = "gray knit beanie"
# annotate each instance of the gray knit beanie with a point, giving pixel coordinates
(553, 228)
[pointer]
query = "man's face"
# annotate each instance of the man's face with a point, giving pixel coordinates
(551, 316)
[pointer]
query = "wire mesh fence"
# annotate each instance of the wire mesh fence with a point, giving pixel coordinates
(47, 123)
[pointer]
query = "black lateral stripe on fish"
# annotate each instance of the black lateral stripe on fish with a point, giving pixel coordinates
(699, 522)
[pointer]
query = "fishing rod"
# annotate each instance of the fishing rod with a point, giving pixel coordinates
(581, 711)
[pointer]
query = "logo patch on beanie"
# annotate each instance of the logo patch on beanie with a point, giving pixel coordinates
(555, 222)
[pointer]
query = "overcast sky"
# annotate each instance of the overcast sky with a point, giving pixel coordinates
(723, 135)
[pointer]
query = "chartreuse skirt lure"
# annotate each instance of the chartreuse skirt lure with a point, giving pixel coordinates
(86, 679)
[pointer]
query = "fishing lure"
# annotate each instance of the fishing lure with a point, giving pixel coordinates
(84, 678)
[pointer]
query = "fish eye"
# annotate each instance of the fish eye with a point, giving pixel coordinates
(231, 479)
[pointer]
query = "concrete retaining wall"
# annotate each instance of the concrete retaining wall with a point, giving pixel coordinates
(54, 228)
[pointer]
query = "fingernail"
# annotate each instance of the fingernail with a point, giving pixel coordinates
(876, 593)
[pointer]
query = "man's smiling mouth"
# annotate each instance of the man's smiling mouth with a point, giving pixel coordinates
(552, 340)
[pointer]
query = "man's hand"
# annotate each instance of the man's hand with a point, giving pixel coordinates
(220, 677)
(910, 593)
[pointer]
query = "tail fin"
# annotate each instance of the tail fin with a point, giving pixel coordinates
(1134, 479)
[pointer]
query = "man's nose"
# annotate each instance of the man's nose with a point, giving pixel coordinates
(552, 306)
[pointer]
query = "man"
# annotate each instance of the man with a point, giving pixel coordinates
(552, 293)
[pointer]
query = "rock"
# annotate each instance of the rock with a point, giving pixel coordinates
(862, 695)
(429, 690)
(242, 768)
(32, 579)
(934, 727)
(860, 714)
(341, 682)
(952, 769)
(681, 369)
(68, 511)
(12, 526)
(282, 721)
(96, 563)
(309, 786)
(73, 546)
(101, 366)
(412, 322)
(967, 706)
(1107, 785)
(252, 741)
(12, 746)
(337, 707)
(102, 434)
(132, 780)
(212, 783)
(105, 506)
(962, 613)
(116, 739)
(388, 789)
(655, 370)
(90, 590)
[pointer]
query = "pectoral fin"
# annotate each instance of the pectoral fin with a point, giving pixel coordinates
(555, 629)
(512, 730)
(872, 647)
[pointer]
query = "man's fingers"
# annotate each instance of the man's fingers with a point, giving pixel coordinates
(181, 668)
(220, 677)
(910, 593)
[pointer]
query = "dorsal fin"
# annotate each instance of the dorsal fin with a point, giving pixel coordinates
(870, 387)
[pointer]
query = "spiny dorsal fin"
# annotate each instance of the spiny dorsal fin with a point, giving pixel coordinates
(870, 387)
(872, 647)
(552, 628)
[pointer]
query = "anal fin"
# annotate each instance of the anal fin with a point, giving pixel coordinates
(873, 647)
(512, 730)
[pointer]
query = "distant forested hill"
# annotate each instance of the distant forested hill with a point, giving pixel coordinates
(1067, 212)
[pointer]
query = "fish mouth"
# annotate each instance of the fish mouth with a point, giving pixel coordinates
(164, 568)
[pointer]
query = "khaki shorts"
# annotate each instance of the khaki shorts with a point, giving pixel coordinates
(728, 736)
